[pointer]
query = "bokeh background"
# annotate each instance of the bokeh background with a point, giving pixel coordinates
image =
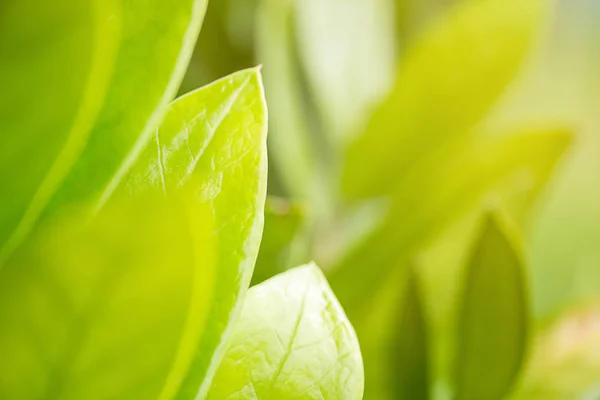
(330, 66)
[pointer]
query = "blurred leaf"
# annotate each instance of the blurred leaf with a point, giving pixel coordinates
(213, 143)
(140, 52)
(493, 320)
(293, 153)
(282, 223)
(290, 146)
(347, 49)
(55, 66)
(292, 341)
(512, 170)
(414, 15)
(520, 164)
(225, 44)
(410, 359)
(447, 84)
(108, 309)
(564, 363)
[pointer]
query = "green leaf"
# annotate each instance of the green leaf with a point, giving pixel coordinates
(282, 223)
(209, 149)
(410, 358)
(292, 341)
(212, 143)
(47, 108)
(517, 166)
(511, 170)
(117, 95)
(448, 83)
(493, 322)
(109, 308)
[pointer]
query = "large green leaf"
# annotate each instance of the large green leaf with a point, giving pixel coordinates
(292, 341)
(107, 309)
(449, 81)
(210, 147)
(55, 65)
(493, 322)
(212, 142)
(115, 97)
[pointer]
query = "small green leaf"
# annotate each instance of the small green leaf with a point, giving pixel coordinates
(109, 308)
(410, 358)
(493, 322)
(292, 341)
(212, 142)
(448, 83)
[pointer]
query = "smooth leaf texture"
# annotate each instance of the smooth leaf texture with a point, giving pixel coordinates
(212, 143)
(47, 108)
(107, 309)
(410, 358)
(126, 89)
(449, 81)
(493, 319)
(293, 341)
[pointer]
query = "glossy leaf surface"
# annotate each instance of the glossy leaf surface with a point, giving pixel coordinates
(212, 143)
(493, 321)
(292, 341)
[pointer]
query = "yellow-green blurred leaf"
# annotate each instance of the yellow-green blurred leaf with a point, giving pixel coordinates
(449, 81)
(493, 321)
(55, 66)
(120, 63)
(519, 164)
(293, 341)
(511, 170)
(108, 309)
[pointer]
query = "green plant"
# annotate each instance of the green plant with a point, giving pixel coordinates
(397, 127)
(130, 226)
